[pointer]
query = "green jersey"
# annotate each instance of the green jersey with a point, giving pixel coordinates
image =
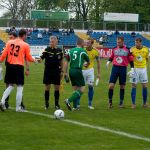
(77, 56)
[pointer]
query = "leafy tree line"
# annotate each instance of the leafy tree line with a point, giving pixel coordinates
(82, 9)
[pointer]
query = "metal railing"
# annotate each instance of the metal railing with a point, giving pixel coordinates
(82, 25)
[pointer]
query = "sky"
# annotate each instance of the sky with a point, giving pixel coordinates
(2, 11)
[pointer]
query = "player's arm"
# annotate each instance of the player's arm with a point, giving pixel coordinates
(4, 53)
(28, 55)
(62, 63)
(131, 58)
(86, 58)
(27, 68)
(147, 56)
(42, 57)
(110, 59)
(98, 63)
(98, 67)
(65, 64)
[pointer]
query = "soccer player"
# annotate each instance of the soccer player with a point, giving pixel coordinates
(76, 56)
(140, 54)
(13, 36)
(88, 72)
(120, 58)
(53, 71)
(16, 51)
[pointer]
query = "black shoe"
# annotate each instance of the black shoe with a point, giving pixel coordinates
(6, 105)
(68, 104)
(46, 104)
(22, 106)
(1, 107)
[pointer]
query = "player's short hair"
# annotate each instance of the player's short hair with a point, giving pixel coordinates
(53, 37)
(92, 40)
(138, 39)
(120, 38)
(13, 33)
(80, 41)
(22, 32)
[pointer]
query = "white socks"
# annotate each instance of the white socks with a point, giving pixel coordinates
(6, 93)
(19, 97)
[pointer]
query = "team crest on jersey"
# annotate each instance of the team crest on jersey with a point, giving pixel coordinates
(139, 58)
(119, 60)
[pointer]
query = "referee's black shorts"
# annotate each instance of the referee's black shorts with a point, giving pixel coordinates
(14, 74)
(51, 77)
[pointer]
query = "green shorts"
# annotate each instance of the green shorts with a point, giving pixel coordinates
(76, 77)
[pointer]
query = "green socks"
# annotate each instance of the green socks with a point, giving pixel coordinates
(76, 94)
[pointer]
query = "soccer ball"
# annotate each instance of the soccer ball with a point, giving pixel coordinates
(59, 114)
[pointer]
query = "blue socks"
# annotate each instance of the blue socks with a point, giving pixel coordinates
(90, 95)
(144, 93)
(133, 95)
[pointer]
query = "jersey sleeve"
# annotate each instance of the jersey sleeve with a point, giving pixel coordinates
(4, 52)
(43, 54)
(130, 56)
(28, 55)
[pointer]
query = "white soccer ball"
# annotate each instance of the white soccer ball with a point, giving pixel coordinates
(59, 114)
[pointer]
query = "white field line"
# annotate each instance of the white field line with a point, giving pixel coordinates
(100, 128)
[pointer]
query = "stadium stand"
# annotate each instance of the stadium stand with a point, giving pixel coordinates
(66, 40)
(111, 40)
(70, 38)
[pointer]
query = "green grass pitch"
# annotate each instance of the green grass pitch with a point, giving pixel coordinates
(24, 131)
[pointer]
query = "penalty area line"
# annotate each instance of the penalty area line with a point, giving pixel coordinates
(100, 128)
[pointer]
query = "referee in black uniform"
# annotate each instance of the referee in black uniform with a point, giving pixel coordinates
(53, 70)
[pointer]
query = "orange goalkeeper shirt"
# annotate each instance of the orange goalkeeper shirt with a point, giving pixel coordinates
(16, 52)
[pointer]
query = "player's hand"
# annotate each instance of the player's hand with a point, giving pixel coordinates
(27, 72)
(107, 64)
(38, 59)
(131, 73)
(61, 76)
(66, 77)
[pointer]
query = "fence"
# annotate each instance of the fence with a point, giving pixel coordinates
(76, 25)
